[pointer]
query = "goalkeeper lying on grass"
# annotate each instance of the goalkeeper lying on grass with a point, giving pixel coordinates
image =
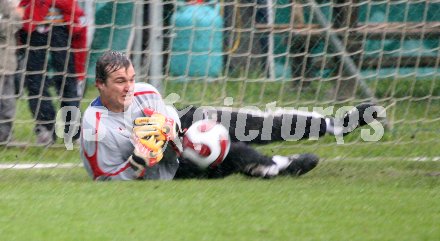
(128, 133)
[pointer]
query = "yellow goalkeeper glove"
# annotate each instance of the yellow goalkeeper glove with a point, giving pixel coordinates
(150, 135)
(163, 128)
(147, 152)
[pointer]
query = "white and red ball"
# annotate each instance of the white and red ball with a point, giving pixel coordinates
(206, 143)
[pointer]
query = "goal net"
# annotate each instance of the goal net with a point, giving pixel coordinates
(258, 54)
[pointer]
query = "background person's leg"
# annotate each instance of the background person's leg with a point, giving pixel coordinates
(7, 107)
(40, 103)
(65, 81)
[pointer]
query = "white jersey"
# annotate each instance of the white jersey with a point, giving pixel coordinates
(106, 138)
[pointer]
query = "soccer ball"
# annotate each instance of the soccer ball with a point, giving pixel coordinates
(206, 143)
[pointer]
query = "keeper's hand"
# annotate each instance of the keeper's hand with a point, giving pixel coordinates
(147, 152)
(150, 135)
(163, 128)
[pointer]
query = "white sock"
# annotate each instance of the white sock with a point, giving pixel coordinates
(282, 162)
(331, 128)
(262, 170)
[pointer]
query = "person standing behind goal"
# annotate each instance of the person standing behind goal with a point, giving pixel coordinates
(10, 23)
(48, 29)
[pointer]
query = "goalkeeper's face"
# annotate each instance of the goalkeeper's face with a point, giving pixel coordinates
(117, 91)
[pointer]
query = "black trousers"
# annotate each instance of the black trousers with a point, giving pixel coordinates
(257, 128)
(54, 44)
(299, 125)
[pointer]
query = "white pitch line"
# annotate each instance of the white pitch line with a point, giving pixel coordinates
(38, 165)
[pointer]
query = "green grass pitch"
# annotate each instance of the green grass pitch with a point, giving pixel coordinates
(340, 200)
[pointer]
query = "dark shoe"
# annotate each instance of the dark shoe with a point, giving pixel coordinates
(358, 113)
(355, 118)
(4, 139)
(5, 133)
(300, 164)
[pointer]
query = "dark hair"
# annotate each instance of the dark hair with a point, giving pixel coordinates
(110, 62)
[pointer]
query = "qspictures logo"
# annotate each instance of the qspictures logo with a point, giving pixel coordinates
(296, 123)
